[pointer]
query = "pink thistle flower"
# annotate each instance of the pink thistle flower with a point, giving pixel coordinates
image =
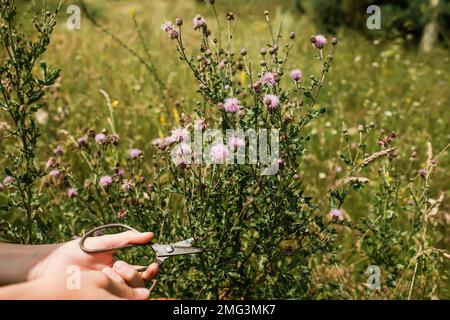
(105, 181)
(72, 192)
(235, 143)
(9, 180)
(182, 154)
(158, 142)
(127, 186)
(173, 34)
(296, 74)
(167, 26)
(134, 153)
(219, 153)
(180, 134)
(268, 79)
(166, 143)
(336, 214)
(119, 173)
(319, 41)
(55, 174)
(200, 125)
(50, 163)
(59, 151)
(82, 141)
(199, 22)
(100, 138)
(222, 64)
(232, 105)
(271, 101)
(183, 149)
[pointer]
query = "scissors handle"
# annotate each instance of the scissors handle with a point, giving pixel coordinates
(90, 233)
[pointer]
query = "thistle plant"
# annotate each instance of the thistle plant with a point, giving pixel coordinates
(22, 89)
(260, 233)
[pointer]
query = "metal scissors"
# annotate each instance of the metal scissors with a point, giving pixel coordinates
(162, 251)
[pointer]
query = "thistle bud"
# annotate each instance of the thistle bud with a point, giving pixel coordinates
(257, 86)
(292, 35)
(243, 52)
(277, 76)
(334, 41)
(280, 163)
(179, 22)
(274, 49)
(91, 133)
(423, 173)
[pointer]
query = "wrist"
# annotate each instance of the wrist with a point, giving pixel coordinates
(40, 289)
(18, 262)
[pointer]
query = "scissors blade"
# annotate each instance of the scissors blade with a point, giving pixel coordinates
(184, 243)
(176, 249)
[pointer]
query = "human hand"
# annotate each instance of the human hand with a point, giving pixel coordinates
(92, 285)
(57, 258)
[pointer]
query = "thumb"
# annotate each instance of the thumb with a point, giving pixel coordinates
(119, 239)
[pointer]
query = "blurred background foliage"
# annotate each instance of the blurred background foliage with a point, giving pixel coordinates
(399, 17)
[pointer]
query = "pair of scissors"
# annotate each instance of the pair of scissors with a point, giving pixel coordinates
(162, 251)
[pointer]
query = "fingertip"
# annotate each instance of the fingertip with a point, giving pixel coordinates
(151, 271)
(148, 234)
(140, 237)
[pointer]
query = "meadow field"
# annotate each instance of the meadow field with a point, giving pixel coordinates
(379, 93)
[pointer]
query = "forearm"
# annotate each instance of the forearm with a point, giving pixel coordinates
(17, 261)
(40, 289)
(19, 291)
